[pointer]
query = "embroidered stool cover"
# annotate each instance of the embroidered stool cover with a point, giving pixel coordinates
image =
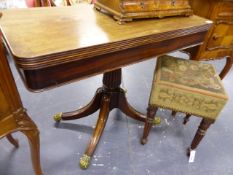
(187, 86)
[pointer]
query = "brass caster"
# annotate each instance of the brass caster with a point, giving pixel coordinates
(57, 117)
(84, 161)
(157, 121)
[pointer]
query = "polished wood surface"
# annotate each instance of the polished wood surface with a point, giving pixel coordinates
(103, 36)
(13, 117)
(63, 44)
(219, 40)
(35, 55)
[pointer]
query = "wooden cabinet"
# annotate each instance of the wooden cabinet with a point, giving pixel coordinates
(13, 116)
(127, 10)
(219, 40)
(221, 37)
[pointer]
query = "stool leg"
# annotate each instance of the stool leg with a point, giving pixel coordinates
(151, 111)
(12, 140)
(173, 113)
(204, 125)
(227, 66)
(186, 119)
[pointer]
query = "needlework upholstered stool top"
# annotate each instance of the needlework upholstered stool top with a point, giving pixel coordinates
(186, 86)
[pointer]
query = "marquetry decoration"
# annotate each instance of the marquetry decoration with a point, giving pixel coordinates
(57, 117)
(127, 10)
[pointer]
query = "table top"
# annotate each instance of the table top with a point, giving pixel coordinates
(43, 37)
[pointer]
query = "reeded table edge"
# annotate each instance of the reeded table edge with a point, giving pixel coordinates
(96, 50)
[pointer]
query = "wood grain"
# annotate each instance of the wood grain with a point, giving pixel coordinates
(13, 116)
(218, 43)
(68, 34)
(127, 10)
(58, 45)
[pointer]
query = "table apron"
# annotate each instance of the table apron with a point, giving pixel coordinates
(44, 78)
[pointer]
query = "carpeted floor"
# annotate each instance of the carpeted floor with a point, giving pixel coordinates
(119, 151)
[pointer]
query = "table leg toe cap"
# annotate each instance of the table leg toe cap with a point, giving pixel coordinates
(157, 121)
(84, 161)
(57, 117)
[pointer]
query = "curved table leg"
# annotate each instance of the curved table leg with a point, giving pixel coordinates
(227, 67)
(109, 96)
(29, 129)
(103, 116)
(34, 142)
(12, 140)
(90, 108)
(126, 108)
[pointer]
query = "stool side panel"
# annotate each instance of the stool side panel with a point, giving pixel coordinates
(188, 102)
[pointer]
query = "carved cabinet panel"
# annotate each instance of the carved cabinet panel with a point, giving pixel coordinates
(173, 4)
(219, 40)
(225, 9)
(221, 36)
(139, 6)
(127, 10)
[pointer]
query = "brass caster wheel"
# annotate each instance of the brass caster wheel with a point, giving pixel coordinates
(157, 121)
(84, 161)
(57, 117)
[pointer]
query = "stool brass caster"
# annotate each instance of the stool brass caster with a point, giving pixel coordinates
(157, 121)
(84, 161)
(57, 117)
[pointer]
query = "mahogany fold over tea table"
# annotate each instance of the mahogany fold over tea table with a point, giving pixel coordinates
(53, 46)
